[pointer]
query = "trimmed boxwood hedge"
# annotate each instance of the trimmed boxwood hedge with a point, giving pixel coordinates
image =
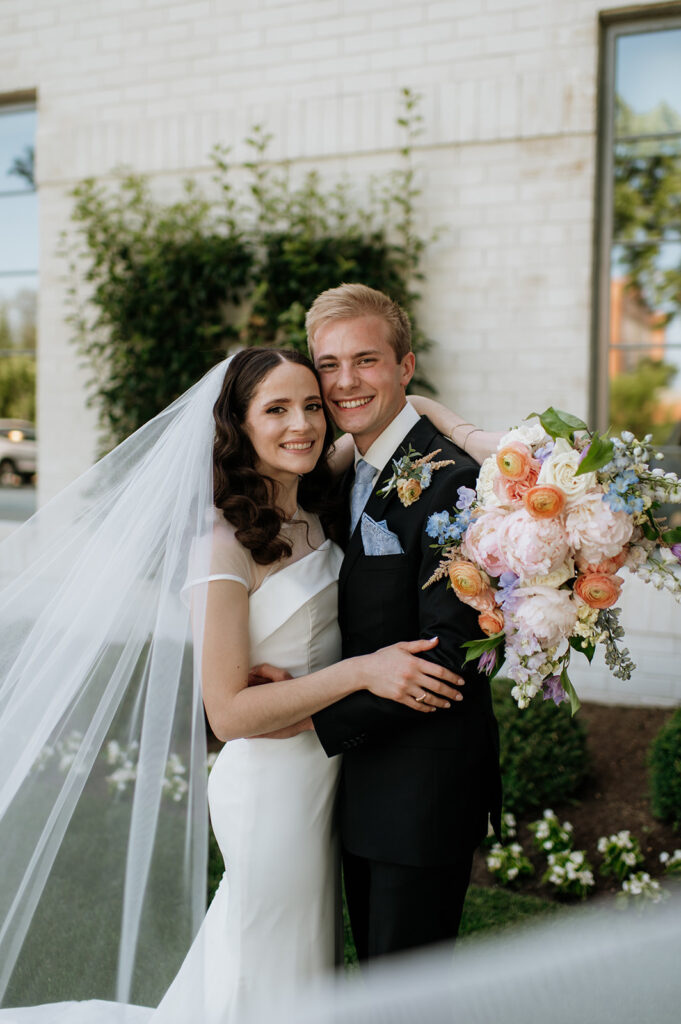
(544, 757)
(665, 771)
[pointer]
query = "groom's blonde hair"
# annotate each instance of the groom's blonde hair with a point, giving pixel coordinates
(349, 301)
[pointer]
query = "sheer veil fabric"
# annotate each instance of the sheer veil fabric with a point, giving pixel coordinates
(103, 818)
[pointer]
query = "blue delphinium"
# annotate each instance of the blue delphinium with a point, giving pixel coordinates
(438, 525)
(443, 527)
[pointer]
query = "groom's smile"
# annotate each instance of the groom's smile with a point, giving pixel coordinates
(363, 383)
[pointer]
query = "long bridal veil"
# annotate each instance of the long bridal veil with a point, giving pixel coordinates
(103, 819)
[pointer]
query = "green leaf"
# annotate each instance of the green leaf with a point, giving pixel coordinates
(672, 536)
(588, 651)
(477, 647)
(570, 690)
(599, 454)
(650, 532)
(558, 423)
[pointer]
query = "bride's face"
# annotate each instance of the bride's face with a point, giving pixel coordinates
(285, 422)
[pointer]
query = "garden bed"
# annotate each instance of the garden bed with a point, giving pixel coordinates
(616, 796)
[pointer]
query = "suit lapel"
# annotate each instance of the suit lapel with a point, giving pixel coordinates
(420, 438)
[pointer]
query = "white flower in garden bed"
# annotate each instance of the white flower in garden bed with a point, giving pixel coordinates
(549, 835)
(570, 873)
(641, 889)
(671, 862)
(508, 863)
(621, 854)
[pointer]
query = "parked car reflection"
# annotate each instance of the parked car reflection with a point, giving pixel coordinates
(18, 451)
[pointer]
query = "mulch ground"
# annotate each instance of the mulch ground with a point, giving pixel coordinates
(615, 797)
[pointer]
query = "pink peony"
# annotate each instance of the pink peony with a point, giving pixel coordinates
(508, 490)
(544, 613)
(595, 531)
(481, 545)
(531, 547)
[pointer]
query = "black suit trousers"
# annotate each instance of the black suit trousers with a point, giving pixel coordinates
(397, 907)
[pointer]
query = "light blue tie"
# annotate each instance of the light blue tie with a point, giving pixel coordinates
(364, 478)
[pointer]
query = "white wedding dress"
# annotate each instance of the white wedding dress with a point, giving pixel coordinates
(274, 925)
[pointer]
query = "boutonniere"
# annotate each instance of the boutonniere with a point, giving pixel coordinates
(412, 474)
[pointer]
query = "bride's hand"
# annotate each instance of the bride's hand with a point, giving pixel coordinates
(397, 674)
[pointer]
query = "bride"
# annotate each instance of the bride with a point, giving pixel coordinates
(102, 823)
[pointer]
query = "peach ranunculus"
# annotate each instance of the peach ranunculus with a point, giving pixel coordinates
(508, 490)
(608, 565)
(544, 501)
(483, 603)
(480, 542)
(467, 580)
(514, 460)
(595, 531)
(598, 589)
(492, 621)
(408, 491)
(532, 547)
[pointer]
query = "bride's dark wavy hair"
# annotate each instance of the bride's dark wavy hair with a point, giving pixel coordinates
(245, 495)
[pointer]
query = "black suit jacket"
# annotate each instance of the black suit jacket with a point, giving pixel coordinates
(416, 788)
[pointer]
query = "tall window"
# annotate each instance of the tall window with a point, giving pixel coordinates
(639, 288)
(18, 255)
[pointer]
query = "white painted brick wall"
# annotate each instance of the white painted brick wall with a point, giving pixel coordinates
(506, 163)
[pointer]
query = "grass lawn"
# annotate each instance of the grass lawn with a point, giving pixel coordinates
(485, 910)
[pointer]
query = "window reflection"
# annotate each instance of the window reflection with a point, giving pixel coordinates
(644, 356)
(18, 306)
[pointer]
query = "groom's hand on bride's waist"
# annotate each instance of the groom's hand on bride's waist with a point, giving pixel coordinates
(265, 673)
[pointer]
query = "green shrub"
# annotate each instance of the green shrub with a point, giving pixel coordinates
(161, 291)
(665, 771)
(544, 758)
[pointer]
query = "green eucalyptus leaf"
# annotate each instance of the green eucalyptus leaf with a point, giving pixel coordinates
(599, 454)
(558, 423)
(588, 651)
(672, 536)
(570, 690)
(477, 647)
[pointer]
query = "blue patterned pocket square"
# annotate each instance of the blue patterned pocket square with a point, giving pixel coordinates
(378, 539)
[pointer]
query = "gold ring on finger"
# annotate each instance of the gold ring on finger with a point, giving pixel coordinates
(422, 697)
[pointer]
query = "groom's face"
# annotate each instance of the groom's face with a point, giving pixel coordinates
(363, 383)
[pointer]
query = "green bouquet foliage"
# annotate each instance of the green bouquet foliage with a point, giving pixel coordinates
(544, 758)
(665, 771)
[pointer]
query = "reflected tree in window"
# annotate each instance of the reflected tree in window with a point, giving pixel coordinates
(645, 280)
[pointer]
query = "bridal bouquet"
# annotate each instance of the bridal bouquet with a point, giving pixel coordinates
(536, 549)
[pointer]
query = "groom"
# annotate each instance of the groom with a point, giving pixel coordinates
(416, 788)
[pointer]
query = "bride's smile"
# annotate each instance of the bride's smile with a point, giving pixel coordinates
(285, 423)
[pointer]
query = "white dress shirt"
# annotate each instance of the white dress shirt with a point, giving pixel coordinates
(385, 444)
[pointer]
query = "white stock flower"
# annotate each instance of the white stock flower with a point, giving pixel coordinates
(529, 433)
(485, 485)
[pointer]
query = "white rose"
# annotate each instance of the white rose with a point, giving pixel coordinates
(532, 434)
(485, 485)
(554, 579)
(559, 471)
